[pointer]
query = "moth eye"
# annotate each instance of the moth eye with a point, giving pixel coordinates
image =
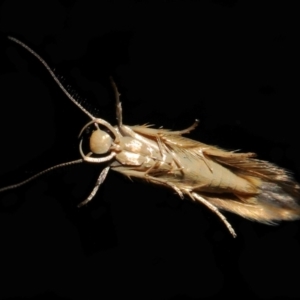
(100, 142)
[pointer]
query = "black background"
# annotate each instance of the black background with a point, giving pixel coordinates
(231, 64)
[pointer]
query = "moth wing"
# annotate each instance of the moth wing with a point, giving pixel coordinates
(189, 146)
(176, 142)
(242, 164)
(279, 193)
(257, 209)
(246, 165)
(172, 138)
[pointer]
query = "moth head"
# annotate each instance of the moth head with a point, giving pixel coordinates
(100, 142)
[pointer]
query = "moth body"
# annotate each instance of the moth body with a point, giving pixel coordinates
(219, 179)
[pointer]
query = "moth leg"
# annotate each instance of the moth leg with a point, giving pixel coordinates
(200, 187)
(175, 157)
(215, 210)
(201, 154)
(152, 132)
(160, 147)
(224, 154)
(171, 185)
(165, 182)
(180, 168)
(179, 192)
(155, 165)
(164, 149)
(99, 181)
(142, 175)
(187, 130)
(177, 162)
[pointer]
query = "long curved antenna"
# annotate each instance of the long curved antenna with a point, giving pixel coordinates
(118, 102)
(13, 186)
(52, 75)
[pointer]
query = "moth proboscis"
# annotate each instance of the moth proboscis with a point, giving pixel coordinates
(219, 179)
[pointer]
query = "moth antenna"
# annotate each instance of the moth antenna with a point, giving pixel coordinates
(118, 102)
(52, 75)
(69, 163)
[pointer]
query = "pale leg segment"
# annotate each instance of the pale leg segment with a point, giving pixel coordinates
(215, 210)
(187, 130)
(99, 181)
(143, 175)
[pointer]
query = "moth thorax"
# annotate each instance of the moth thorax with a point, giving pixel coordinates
(100, 142)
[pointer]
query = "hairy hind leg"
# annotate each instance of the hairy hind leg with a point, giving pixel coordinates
(145, 176)
(99, 181)
(187, 130)
(215, 210)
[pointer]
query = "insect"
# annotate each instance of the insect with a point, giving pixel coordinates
(219, 179)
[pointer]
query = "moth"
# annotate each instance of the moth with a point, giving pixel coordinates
(221, 180)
